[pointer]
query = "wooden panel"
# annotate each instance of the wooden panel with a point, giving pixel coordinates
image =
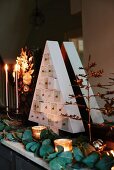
(6, 159)
(5, 164)
(22, 164)
(6, 153)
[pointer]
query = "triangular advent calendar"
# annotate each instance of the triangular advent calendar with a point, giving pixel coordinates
(52, 92)
(69, 49)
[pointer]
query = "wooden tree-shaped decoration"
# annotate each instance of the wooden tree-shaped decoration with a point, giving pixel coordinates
(52, 90)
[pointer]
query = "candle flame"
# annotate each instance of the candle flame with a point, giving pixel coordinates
(6, 67)
(112, 152)
(107, 153)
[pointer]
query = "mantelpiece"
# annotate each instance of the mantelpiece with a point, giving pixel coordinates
(19, 156)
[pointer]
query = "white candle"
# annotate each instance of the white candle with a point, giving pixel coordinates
(6, 71)
(16, 85)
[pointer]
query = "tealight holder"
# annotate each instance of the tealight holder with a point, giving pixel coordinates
(36, 131)
(111, 152)
(65, 143)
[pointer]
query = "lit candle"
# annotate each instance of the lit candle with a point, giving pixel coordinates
(16, 88)
(36, 131)
(6, 71)
(112, 152)
(65, 143)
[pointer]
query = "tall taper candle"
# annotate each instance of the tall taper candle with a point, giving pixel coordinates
(16, 85)
(6, 72)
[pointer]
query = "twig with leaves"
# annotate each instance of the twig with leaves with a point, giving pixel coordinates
(80, 81)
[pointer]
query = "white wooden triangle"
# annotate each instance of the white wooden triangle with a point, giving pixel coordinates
(52, 92)
(75, 61)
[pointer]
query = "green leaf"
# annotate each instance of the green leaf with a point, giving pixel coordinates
(67, 156)
(78, 155)
(87, 149)
(20, 130)
(2, 126)
(57, 164)
(8, 128)
(10, 137)
(1, 137)
(79, 165)
(53, 135)
(46, 142)
(34, 147)
(29, 145)
(60, 148)
(19, 135)
(36, 153)
(44, 134)
(91, 159)
(51, 156)
(105, 163)
(48, 133)
(27, 136)
(55, 154)
(6, 121)
(16, 138)
(46, 150)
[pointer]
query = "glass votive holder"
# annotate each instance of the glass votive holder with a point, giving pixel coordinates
(65, 143)
(36, 131)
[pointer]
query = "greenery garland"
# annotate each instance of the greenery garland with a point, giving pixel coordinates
(78, 158)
